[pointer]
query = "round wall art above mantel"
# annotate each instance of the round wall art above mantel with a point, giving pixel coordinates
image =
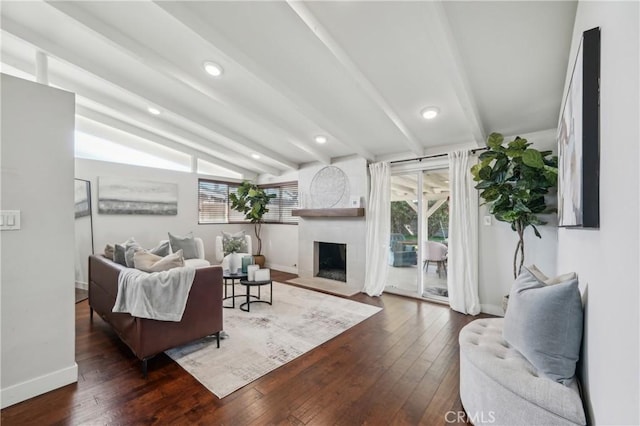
(329, 188)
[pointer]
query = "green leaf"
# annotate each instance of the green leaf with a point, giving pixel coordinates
(495, 140)
(518, 144)
(484, 184)
(521, 208)
(485, 173)
(532, 158)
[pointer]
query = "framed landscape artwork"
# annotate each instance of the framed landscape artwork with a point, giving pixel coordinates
(130, 196)
(579, 140)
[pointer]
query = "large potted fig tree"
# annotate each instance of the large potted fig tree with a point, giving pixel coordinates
(513, 181)
(252, 201)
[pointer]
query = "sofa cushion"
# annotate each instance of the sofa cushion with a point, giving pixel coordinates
(544, 323)
(162, 249)
(187, 244)
(234, 243)
(550, 280)
(120, 252)
(149, 262)
(109, 251)
(130, 249)
(197, 263)
(496, 380)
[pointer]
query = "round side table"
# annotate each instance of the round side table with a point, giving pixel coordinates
(226, 276)
(246, 306)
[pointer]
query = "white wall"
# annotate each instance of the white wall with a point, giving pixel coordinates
(607, 259)
(280, 247)
(497, 244)
(38, 314)
(148, 230)
(350, 231)
(280, 242)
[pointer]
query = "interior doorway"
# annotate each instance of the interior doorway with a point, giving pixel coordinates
(418, 262)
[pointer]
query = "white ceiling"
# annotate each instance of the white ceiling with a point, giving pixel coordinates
(357, 72)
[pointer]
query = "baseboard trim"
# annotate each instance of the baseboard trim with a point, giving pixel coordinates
(289, 269)
(492, 310)
(38, 385)
(82, 286)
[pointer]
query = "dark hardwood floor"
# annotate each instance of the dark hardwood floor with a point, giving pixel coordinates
(399, 367)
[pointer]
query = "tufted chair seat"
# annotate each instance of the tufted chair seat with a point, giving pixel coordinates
(499, 386)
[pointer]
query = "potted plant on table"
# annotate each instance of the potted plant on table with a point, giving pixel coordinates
(235, 260)
(252, 201)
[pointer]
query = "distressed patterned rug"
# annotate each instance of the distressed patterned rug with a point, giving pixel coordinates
(269, 336)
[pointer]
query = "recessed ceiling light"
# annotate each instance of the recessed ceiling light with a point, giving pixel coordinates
(321, 139)
(256, 156)
(154, 111)
(430, 113)
(213, 69)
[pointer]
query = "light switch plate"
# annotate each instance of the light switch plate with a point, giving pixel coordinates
(487, 220)
(9, 220)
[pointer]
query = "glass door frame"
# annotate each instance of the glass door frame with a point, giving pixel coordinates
(420, 167)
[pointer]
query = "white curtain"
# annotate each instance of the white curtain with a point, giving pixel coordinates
(378, 229)
(463, 236)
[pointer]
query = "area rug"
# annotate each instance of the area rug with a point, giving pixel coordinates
(269, 336)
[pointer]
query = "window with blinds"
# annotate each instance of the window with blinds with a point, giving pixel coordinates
(214, 205)
(213, 201)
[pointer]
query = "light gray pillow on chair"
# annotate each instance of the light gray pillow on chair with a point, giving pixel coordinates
(187, 244)
(239, 240)
(544, 323)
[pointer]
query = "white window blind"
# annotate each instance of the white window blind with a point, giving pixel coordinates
(212, 201)
(214, 205)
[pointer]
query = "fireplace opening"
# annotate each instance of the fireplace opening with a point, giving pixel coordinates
(332, 261)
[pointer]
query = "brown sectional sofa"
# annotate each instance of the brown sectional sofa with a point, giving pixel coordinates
(146, 338)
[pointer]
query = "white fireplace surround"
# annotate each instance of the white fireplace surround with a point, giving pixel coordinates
(341, 230)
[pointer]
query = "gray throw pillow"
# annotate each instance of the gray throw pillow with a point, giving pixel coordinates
(119, 254)
(544, 323)
(234, 243)
(162, 250)
(131, 247)
(187, 244)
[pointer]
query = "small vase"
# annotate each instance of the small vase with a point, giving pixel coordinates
(235, 262)
(259, 259)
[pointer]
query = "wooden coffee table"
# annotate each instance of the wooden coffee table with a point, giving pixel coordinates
(248, 301)
(233, 277)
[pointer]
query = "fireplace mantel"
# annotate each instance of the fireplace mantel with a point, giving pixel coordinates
(344, 212)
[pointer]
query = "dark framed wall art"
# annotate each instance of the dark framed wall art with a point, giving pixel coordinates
(579, 140)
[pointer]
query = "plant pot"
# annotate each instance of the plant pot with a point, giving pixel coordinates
(258, 259)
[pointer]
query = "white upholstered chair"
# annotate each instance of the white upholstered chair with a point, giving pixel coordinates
(198, 262)
(435, 252)
(224, 260)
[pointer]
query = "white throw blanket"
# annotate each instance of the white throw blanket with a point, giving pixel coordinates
(158, 295)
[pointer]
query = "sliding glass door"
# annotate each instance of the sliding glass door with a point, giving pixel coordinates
(435, 196)
(419, 230)
(404, 241)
